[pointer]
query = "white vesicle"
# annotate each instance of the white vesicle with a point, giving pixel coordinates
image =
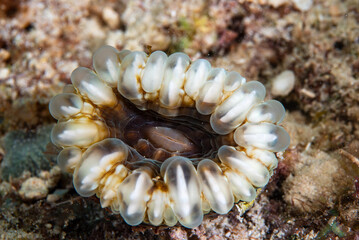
(131, 71)
(90, 86)
(216, 189)
(171, 91)
(95, 162)
(153, 74)
(80, 132)
(233, 81)
(108, 195)
(122, 54)
(268, 158)
(107, 64)
(265, 136)
(184, 190)
(156, 207)
(134, 195)
(206, 207)
(169, 215)
(211, 92)
(238, 161)
(68, 158)
(241, 188)
(65, 105)
(233, 111)
(270, 111)
(196, 76)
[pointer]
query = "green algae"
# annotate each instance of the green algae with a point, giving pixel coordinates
(26, 151)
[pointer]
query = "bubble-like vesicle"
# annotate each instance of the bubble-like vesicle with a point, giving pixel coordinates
(171, 91)
(233, 111)
(122, 54)
(211, 91)
(153, 73)
(233, 81)
(268, 158)
(65, 105)
(134, 194)
(109, 185)
(156, 207)
(242, 189)
(90, 86)
(131, 69)
(206, 207)
(255, 171)
(96, 161)
(262, 135)
(270, 111)
(80, 132)
(196, 76)
(68, 158)
(107, 64)
(215, 187)
(184, 190)
(169, 216)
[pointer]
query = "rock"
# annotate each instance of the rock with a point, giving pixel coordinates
(318, 180)
(5, 189)
(33, 188)
(26, 151)
(57, 195)
(111, 17)
(303, 5)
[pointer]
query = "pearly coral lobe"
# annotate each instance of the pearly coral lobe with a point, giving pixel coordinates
(161, 139)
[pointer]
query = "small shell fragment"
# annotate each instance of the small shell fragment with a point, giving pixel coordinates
(284, 83)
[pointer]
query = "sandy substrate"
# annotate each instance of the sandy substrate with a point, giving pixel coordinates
(314, 192)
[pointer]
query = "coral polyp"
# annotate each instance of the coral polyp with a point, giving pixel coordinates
(161, 139)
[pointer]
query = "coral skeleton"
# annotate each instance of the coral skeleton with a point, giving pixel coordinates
(161, 139)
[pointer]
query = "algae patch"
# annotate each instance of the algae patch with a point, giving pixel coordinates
(26, 151)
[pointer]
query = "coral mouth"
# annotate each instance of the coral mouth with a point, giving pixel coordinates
(157, 137)
(160, 139)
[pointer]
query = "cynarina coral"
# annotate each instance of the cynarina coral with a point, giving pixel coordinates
(175, 140)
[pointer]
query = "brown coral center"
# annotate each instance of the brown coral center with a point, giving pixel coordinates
(156, 137)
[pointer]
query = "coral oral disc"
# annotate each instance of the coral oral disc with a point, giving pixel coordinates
(163, 140)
